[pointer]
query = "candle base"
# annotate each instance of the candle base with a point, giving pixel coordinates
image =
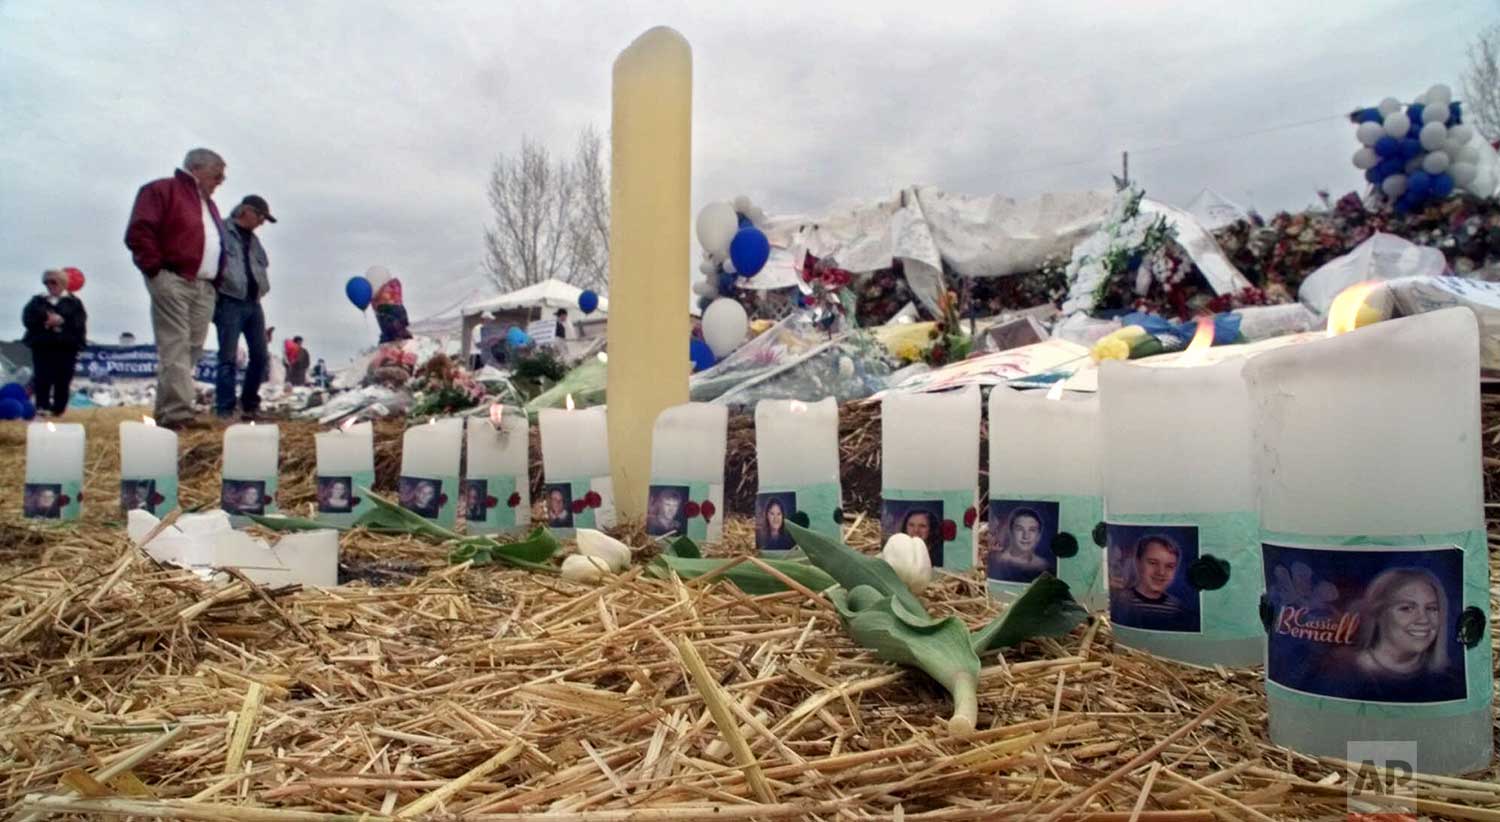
(1204, 653)
(1442, 745)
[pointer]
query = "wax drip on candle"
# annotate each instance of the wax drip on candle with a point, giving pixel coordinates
(1056, 391)
(1203, 339)
(1348, 309)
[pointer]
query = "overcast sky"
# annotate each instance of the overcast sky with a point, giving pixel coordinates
(370, 126)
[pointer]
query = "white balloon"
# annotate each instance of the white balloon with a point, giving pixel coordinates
(1433, 135)
(706, 288)
(1397, 124)
(708, 268)
(1440, 92)
(1468, 154)
(1435, 163)
(1461, 133)
(1421, 99)
(725, 326)
(1452, 145)
(1435, 113)
(1394, 185)
(757, 216)
(1366, 158)
(1463, 173)
(1369, 133)
(717, 224)
(1388, 105)
(742, 204)
(378, 275)
(1483, 184)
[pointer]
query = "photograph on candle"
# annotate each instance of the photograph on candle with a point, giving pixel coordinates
(1019, 546)
(475, 492)
(772, 510)
(422, 496)
(666, 510)
(559, 501)
(335, 494)
(139, 495)
(1148, 578)
(243, 497)
(922, 519)
(42, 500)
(1366, 624)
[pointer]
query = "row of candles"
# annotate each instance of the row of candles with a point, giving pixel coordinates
(1361, 442)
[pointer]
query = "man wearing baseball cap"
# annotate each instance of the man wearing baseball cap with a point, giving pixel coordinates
(237, 312)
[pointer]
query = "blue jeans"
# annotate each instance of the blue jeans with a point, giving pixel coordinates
(235, 318)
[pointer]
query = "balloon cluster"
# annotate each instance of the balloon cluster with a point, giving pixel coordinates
(15, 403)
(734, 246)
(362, 289)
(1419, 152)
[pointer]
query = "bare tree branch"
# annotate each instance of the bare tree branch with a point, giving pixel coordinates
(550, 217)
(1481, 84)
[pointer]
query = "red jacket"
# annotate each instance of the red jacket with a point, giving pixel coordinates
(166, 227)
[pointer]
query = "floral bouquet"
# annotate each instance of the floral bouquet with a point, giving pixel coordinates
(443, 387)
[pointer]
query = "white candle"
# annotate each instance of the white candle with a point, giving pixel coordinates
(346, 464)
(930, 470)
(54, 470)
(251, 453)
(1045, 475)
(575, 449)
(148, 464)
(499, 457)
(686, 495)
(430, 454)
(797, 459)
(1180, 497)
(1368, 461)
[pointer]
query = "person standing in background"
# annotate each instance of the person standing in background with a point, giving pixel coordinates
(176, 241)
(238, 312)
(56, 326)
(297, 362)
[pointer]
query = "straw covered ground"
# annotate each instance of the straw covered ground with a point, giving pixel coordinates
(420, 690)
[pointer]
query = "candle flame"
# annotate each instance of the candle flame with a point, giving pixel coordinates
(1347, 311)
(1203, 338)
(1056, 391)
(497, 415)
(51, 426)
(347, 425)
(151, 421)
(797, 406)
(570, 402)
(432, 420)
(603, 357)
(252, 423)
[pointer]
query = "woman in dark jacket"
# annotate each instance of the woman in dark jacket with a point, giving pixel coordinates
(55, 327)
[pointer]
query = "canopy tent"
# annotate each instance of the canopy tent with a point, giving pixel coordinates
(547, 294)
(1215, 211)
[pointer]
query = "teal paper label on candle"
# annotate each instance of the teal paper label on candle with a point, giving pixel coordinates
(1186, 574)
(433, 498)
(943, 519)
(821, 503)
(154, 495)
(568, 505)
(1385, 626)
(344, 498)
(55, 501)
(241, 496)
(490, 504)
(680, 507)
(1032, 533)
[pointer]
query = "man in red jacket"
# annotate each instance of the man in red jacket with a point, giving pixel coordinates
(174, 237)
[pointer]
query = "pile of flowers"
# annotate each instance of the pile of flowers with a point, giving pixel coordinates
(443, 387)
(832, 300)
(391, 366)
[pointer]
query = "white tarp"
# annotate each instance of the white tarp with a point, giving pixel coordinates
(1222, 275)
(549, 294)
(1215, 211)
(1382, 257)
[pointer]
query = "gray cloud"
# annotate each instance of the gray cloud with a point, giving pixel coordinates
(370, 127)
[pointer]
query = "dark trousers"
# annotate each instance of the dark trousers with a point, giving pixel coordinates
(235, 319)
(52, 376)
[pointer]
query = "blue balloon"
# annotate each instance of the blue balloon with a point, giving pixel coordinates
(1389, 166)
(1388, 146)
(726, 284)
(1373, 175)
(359, 292)
(14, 391)
(1410, 147)
(10, 409)
(1414, 111)
(1368, 115)
(701, 354)
(517, 338)
(1418, 183)
(1455, 113)
(28, 411)
(749, 250)
(588, 302)
(1442, 184)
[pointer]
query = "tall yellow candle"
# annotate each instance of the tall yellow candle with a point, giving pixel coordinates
(650, 212)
